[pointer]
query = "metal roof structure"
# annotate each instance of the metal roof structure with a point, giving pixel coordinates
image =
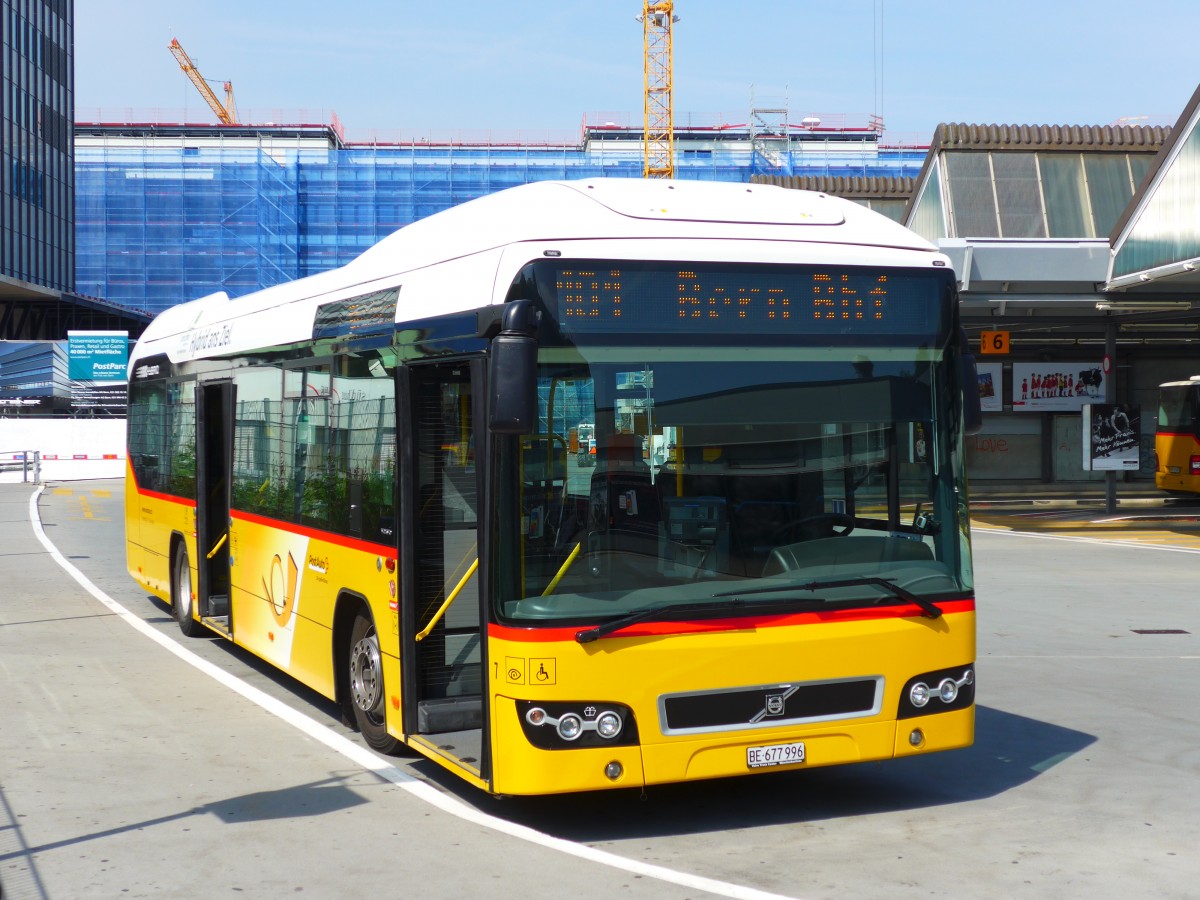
(949, 136)
(850, 187)
(1156, 240)
(34, 313)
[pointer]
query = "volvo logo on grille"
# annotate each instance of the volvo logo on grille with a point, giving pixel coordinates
(775, 702)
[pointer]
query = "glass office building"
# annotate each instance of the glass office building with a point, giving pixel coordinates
(37, 176)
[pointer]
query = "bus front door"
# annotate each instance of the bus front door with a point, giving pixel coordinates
(444, 684)
(214, 447)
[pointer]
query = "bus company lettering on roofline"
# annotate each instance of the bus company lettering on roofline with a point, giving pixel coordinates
(208, 338)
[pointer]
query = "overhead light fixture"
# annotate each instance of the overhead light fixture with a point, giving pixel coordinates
(1147, 306)
(1160, 326)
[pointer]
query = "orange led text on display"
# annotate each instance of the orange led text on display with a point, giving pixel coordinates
(597, 296)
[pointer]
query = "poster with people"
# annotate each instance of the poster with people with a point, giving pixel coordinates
(1111, 434)
(1056, 386)
(991, 392)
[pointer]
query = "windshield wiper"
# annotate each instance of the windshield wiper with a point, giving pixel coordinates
(736, 601)
(587, 635)
(928, 610)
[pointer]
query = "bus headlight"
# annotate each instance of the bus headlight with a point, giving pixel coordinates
(608, 725)
(558, 726)
(569, 727)
(948, 690)
(954, 689)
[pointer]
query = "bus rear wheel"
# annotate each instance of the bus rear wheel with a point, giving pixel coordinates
(181, 594)
(365, 682)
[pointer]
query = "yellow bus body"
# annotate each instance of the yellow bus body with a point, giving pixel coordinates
(1175, 471)
(636, 671)
(286, 584)
(151, 521)
(290, 624)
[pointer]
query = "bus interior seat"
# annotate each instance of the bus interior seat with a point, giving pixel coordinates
(755, 523)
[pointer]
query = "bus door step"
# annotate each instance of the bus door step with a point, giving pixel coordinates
(449, 714)
(220, 623)
(218, 606)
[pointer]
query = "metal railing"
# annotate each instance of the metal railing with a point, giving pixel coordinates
(27, 462)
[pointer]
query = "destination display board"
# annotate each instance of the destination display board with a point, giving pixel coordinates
(610, 297)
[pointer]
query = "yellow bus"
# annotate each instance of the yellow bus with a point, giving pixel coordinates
(365, 477)
(1177, 437)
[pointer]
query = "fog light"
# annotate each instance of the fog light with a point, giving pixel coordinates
(570, 727)
(613, 771)
(918, 694)
(948, 690)
(916, 738)
(608, 725)
(535, 716)
(968, 677)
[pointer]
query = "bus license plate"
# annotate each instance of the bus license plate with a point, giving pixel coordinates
(774, 755)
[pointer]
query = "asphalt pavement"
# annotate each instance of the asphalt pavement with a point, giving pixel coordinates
(135, 763)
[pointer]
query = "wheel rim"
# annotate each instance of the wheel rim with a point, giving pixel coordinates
(183, 590)
(365, 675)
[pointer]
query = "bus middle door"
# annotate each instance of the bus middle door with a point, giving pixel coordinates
(444, 664)
(214, 450)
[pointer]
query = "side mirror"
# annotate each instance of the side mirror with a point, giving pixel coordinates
(969, 377)
(512, 371)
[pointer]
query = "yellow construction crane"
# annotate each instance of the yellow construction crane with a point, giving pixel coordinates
(227, 113)
(659, 135)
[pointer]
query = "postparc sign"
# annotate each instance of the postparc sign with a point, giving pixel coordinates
(96, 364)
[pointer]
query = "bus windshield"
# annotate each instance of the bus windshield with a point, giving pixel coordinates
(734, 469)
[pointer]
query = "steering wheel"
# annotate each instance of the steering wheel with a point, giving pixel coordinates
(826, 524)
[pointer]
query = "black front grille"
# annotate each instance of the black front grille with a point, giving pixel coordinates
(772, 704)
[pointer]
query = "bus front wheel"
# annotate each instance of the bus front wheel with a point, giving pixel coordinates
(181, 594)
(365, 680)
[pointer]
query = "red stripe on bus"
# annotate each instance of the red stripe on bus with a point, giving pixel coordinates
(303, 530)
(166, 498)
(744, 623)
(315, 534)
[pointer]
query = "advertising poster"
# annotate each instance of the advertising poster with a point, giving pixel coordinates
(96, 363)
(1112, 437)
(1056, 386)
(991, 388)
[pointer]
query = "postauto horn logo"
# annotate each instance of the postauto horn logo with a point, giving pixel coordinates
(280, 590)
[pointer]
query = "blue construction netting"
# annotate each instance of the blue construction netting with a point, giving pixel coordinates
(158, 226)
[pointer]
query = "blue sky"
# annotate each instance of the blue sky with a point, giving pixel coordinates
(491, 66)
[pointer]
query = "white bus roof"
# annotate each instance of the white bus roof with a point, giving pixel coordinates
(466, 257)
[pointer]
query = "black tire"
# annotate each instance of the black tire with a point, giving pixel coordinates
(181, 595)
(364, 682)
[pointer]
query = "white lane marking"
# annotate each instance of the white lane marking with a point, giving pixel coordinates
(1083, 540)
(380, 767)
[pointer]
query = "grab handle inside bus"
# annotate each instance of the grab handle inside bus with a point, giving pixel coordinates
(512, 371)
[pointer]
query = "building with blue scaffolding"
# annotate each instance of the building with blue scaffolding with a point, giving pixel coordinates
(168, 213)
